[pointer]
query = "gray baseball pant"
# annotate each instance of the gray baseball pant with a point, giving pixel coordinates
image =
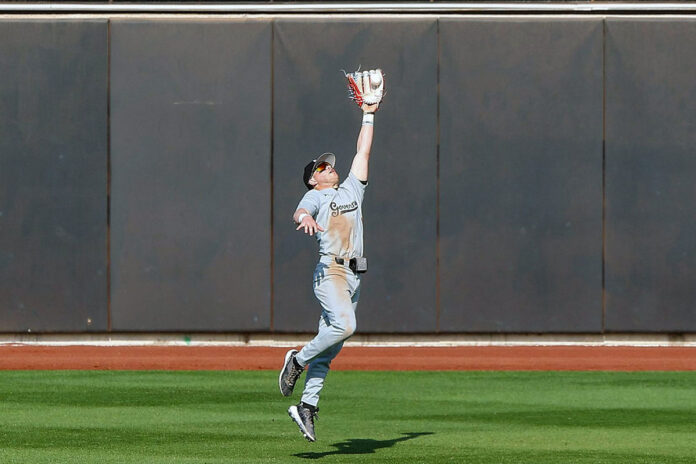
(338, 289)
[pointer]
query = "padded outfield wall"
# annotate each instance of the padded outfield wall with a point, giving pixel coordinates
(528, 174)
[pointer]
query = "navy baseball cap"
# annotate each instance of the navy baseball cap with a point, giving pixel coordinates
(312, 166)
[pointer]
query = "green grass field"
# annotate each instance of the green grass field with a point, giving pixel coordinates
(366, 417)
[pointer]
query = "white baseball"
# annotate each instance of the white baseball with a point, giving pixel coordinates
(375, 79)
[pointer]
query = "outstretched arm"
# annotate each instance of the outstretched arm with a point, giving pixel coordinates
(362, 157)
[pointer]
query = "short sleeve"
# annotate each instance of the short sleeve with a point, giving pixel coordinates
(310, 202)
(355, 186)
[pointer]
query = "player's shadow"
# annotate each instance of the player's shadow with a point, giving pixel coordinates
(361, 446)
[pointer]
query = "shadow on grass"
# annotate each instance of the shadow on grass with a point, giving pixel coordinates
(361, 446)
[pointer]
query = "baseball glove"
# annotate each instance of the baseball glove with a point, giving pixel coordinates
(366, 88)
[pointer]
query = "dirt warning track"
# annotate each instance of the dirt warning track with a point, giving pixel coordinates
(613, 358)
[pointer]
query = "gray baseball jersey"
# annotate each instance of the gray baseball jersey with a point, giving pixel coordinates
(339, 213)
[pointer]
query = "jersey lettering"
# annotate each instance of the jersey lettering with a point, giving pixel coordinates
(342, 209)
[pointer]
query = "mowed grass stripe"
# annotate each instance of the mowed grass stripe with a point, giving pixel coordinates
(365, 417)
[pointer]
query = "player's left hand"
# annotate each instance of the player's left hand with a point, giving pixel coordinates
(366, 89)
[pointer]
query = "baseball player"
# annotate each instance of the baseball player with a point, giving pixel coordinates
(332, 212)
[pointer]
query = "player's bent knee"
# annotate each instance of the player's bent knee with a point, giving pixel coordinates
(349, 330)
(345, 330)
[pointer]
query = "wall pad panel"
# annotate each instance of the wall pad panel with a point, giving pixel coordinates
(190, 175)
(521, 175)
(650, 169)
(312, 115)
(53, 174)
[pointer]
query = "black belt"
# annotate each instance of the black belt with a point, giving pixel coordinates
(357, 265)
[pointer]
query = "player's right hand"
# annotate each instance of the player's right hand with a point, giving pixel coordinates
(310, 226)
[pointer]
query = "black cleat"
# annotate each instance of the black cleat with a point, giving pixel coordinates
(289, 374)
(303, 415)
